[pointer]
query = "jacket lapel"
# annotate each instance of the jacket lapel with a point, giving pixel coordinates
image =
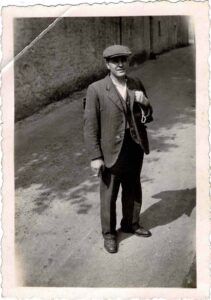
(113, 94)
(131, 94)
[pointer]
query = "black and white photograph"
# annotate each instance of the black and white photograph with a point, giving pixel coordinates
(105, 150)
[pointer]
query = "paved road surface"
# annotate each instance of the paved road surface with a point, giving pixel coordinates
(58, 234)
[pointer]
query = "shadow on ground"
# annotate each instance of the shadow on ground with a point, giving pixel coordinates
(77, 197)
(173, 204)
(50, 154)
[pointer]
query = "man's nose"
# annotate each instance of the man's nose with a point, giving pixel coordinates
(120, 62)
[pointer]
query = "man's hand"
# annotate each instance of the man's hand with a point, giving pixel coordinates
(139, 97)
(97, 166)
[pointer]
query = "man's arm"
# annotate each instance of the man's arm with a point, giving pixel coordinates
(92, 129)
(145, 106)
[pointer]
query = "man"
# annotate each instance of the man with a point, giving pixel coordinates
(116, 110)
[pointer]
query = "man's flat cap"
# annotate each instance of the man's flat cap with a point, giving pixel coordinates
(116, 50)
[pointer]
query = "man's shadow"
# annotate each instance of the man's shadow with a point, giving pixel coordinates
(173, 204)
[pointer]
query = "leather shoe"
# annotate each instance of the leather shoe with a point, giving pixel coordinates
(141, 231)
(137, 230)
(110, 245)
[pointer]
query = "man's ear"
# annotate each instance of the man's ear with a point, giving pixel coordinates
(107, 64)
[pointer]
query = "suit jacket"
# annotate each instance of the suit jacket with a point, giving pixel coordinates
(105, 120)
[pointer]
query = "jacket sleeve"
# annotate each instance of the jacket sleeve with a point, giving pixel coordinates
(147, 110)
(92, 124)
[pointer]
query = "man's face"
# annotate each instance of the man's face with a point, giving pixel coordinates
(117, 66)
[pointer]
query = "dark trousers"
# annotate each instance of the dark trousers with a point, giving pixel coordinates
(125, 172)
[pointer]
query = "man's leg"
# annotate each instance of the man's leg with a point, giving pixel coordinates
(131, 206)
(131, 200)
(131, 188)
(109, 187)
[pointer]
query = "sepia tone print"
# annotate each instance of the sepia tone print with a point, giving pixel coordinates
(57, 203)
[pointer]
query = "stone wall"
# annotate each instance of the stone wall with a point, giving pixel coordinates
(68, 56)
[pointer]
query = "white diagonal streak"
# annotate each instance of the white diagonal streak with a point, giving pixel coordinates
(43, 33)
